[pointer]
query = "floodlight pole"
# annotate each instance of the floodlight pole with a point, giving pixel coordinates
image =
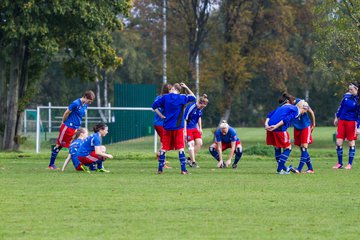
(164, 43)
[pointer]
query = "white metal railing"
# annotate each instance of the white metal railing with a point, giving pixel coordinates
(86, 118)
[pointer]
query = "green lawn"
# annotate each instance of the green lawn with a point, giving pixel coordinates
(133, 202)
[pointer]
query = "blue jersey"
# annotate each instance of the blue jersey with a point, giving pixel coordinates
(349, 108)
(228, 138)
(303, 121)
(158, 121)
(172, 104)
(287, 113)
(73, 151)
(192, 115)
(78, 111)
(89, 144)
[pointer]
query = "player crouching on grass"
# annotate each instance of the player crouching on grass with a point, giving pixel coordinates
(225, 137)
(276, 125)
(91, 152)
(76, 143)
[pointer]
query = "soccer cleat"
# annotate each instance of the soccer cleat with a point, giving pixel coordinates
(194, 165)
(159, 172)
(83, 168)
(338, 166)
(282, 172)
(309, 171)
(294, 170)
(103, 170)
(184, 172)
(234, 166)
(53, 167)
(348, 167)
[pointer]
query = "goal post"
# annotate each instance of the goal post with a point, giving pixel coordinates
(113, 117)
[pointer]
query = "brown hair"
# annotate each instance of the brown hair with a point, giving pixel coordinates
(99, 126)
(89, 95)
(203, 99)
(166, 88)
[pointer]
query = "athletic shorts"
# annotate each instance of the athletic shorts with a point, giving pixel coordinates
(225, 146)
(278, 139)
(192, 134)
(346, 130)
(160, 131)
(65, 136)
(173, 139)
(89, 159)
(302, 136)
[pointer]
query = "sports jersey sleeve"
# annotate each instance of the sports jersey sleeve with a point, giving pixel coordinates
(233, 137)
(159, 102)
(217, 136)
(291, 116)
(270, 114)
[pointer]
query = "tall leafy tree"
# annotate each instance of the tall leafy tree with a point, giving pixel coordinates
(32, 32)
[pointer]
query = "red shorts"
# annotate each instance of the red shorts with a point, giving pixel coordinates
(302, 136)
(192, 134)
(160, 131)
(225, 146)
(346, 130)
(65, 136)
(173, 139)
(278, 139)
(89, 159)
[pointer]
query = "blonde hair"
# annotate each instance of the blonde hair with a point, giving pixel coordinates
(302, 104)
(223, 124)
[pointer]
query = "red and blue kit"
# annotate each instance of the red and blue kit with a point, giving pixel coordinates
(226, 139)
(348, 115)
(73, 122)
(172, 104)
(280, 137)
(192, 116)
(86, 153)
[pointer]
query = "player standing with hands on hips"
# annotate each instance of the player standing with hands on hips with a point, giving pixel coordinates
(346, 120)
(71, 121)
(173, 115)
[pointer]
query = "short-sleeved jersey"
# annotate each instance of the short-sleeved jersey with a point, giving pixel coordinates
(172, 104)
(158, 121)
(349, 108)
(287, 113)
(303, 121)
(75, 146)
(78, 111)
(192, 115)
(227, 138)
(89, 144)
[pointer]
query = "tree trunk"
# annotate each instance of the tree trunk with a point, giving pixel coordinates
(24, 83)
(2, 98)
(13, 96)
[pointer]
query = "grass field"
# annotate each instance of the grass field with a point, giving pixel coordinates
(133, 202)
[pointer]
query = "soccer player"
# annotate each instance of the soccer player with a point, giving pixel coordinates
(79, 138)
(193, 126)
(173, 138)
(303, 127)
(225, 137)
(158, 121)
(91, 152)
(276, 125)
(71, 121)
(346, 119)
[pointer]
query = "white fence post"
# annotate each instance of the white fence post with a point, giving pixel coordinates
(37, 129)
(49, 117)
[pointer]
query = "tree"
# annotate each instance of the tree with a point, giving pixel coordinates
(33, 32)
